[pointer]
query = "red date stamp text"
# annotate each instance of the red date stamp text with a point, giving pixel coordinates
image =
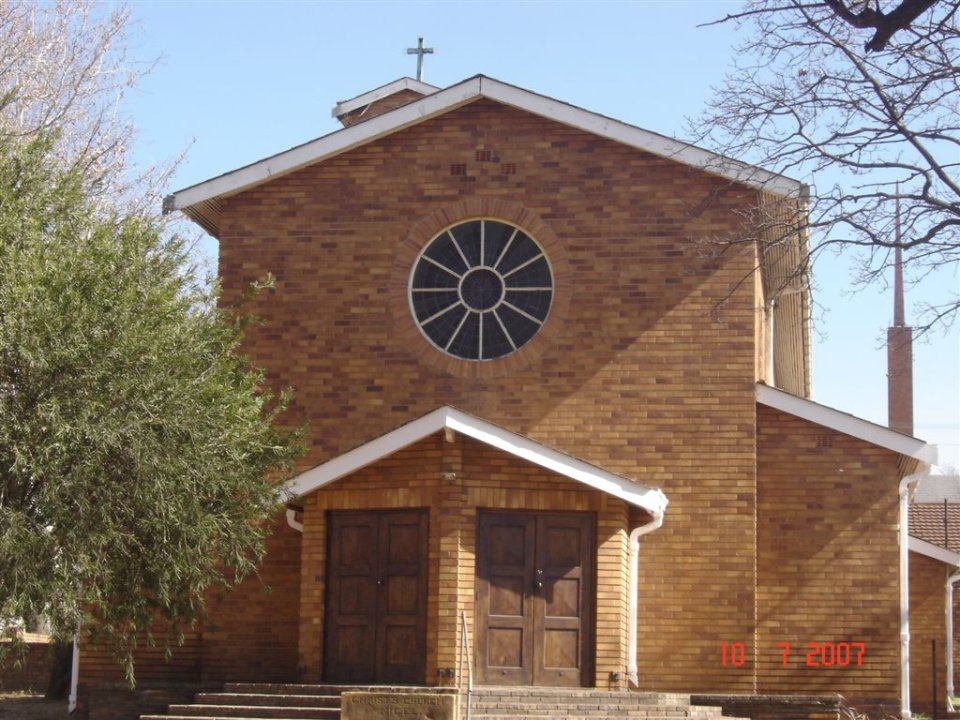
(812, 654)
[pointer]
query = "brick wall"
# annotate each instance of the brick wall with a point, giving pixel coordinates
(636, 370)
(827, 561)
(29, 671)
(253, 636)
(379, 107)
(927, 623)
(116, 701)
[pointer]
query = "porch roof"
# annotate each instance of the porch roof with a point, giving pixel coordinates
(650, 499)
(936, 552)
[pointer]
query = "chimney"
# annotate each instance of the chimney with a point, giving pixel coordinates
(381, 100)
(899, 352)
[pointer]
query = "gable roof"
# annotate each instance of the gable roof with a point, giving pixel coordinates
(847, 424)
(650, 499)
(202, 202)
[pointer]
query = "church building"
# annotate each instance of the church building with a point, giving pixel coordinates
(555, 371)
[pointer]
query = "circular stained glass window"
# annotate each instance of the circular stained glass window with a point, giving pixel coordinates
(481, 289)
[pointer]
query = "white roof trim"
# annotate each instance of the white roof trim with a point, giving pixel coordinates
(922, 547)
(847, 424)
(650, 499)
(406, 83)
(454, 96)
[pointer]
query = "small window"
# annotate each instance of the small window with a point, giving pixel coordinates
(481, 290)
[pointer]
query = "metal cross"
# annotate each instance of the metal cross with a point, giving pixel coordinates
(420, 51)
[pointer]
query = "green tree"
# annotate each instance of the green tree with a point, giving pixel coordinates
(137, 446)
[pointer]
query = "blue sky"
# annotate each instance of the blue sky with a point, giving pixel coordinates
(238, 81)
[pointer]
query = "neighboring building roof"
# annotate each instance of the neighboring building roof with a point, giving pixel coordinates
(927, 523)
(937, 488)
(847, 424)
(202, 202)
(650, 499)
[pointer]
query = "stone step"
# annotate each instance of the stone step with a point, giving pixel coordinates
(276, 701)
(218, 716)
(643, 711)
(265, 699)
(325, 689)
(513, 695)
(654, 715)
(249, 711)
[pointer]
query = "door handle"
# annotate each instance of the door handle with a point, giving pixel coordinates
(538, 580)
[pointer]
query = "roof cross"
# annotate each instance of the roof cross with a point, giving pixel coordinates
(420, 51)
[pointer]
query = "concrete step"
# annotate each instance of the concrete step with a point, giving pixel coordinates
(274, 701)
(249, 711)
(200, 717)
(325, 689)
(265, 699)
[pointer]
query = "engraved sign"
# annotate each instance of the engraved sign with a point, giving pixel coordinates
(398, 706)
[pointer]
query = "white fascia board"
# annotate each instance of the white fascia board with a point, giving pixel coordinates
(640, 139)
(650, 499)
(329, 145)
(405, 83)
(847, 424)
(922, 547)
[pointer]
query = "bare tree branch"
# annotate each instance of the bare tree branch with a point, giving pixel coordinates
(65, 69)
(862, 129)
(885, 24)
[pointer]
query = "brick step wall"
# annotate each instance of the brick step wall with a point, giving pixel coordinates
(541, 703)
(322, 702)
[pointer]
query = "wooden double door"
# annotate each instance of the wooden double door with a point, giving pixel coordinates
(535, 598)
(375, 630)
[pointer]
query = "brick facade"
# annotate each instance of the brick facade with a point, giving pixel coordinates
(927, 625)
(777, 529)
(827, 560)
(637, 370)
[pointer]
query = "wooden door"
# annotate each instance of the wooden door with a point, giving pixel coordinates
(535, 596)
(376, 597)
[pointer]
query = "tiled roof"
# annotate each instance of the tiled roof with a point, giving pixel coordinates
(926, 523)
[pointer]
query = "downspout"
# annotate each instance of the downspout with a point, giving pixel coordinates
(633, 591)
(951, 579)
(292, 519)
(74, 675)
(906, 486)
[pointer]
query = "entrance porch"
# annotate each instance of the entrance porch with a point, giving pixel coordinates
(448, 527)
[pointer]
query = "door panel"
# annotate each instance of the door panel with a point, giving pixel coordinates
(534, 598)
(376, 597)
(505, 604)
(564, 560)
